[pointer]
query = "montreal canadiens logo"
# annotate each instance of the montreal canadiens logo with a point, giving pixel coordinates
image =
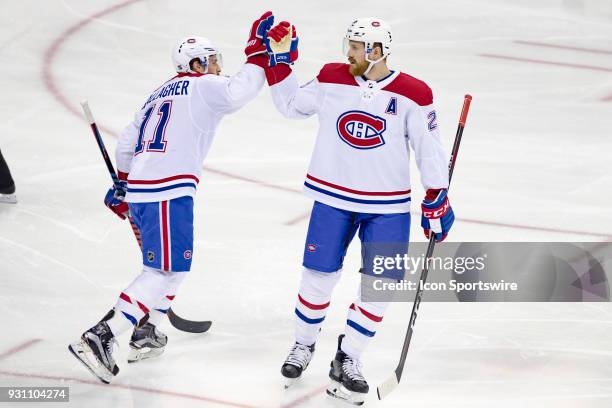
(361, 130)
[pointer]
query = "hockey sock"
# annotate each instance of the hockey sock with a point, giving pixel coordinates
(312, 303)
(138, 299)
(363, 318)
(160, 309)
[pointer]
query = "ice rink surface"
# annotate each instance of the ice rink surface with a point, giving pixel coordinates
(534, 166)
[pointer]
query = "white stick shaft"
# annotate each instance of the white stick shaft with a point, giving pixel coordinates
(87, 111)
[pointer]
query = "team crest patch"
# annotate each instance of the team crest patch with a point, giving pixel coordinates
(311, 247)
(361, 130)
(150, 256)
(187, 254)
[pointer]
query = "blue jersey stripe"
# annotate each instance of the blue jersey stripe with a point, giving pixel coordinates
(156, 190)
(360, 328)
(355, 200)
(308, 320)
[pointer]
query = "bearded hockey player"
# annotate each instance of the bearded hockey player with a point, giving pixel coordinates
(369, 118)
(159, 160)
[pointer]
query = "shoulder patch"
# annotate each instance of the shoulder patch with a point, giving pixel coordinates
(336, 73)
(411, 88)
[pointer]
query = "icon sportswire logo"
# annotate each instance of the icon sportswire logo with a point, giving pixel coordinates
(361, 130)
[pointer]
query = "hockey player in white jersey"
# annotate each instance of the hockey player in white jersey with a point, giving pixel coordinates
(159, 160)
(369, 117)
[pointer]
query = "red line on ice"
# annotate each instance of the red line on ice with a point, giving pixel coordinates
(18, 348)
(52, 50)
(606, 237)
(564, 47)
(128, 387)
(252, 180)
(298, 219)
(545, 62)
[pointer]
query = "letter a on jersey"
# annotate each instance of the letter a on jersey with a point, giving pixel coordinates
(392, 106)
(361, 130)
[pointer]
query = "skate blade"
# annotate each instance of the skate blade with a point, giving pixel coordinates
(8, 198)
(337, 390)
(81, 351)
(144, 353)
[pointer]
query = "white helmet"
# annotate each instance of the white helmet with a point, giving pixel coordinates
(369, 30)
(192, 47)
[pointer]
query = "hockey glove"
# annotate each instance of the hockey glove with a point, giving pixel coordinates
(282, 44)
(115, 196)
(255, 44)
(437, 215)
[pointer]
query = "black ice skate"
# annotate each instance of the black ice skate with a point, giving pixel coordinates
(7, 195)
(298, 359)
(95, 351)
(146, 342)
(348, 383)
(7, 184)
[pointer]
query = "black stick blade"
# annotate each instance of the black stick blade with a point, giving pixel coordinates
(189, 326)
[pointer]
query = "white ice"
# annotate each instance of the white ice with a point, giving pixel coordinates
(534, 165)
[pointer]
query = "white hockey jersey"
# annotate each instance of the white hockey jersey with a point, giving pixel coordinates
(361, 156)
(163, 149)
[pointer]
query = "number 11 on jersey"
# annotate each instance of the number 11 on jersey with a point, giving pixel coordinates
(158, 142)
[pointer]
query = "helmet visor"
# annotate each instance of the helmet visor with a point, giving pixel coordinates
(345, 46)
(212, 59)
(348, 44)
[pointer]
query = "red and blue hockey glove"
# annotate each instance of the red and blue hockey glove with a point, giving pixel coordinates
(115, 196)
(255, 44)
(282, 44)
(437, 215)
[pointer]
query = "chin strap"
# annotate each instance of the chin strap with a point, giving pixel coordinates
(372, 63)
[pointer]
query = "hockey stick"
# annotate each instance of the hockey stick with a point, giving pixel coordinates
(390, 383)
(178, 322)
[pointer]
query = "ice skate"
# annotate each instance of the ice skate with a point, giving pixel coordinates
(298, 359)
(8, 196)
(348, 384)
(146, 342)
(95, 350)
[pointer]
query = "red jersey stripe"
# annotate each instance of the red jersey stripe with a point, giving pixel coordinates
(164, 180)
(165, 243)
(350, 190)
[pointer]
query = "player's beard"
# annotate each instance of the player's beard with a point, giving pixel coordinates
(358, 68)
